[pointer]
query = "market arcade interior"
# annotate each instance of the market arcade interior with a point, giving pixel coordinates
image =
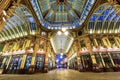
(39, 36)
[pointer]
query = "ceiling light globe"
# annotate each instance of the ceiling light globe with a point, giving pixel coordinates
(63, 29)
(66, 33)
(59, 32)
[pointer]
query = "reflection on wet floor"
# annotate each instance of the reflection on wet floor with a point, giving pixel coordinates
(63, 74)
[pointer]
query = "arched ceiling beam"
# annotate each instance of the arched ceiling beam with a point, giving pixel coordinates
(6, 33)
(14, 26)
(115, 28)
(24, 21)
(11, 30)
(110, 22)
(103, 23)
(96, 21)
(113, 16)
(21, 20)
(5, 37)
(1, 37)
(97, 3)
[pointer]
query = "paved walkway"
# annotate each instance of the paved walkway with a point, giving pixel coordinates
(63, 74)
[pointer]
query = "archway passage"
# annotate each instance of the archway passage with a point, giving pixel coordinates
(61, 0)
(60, 63)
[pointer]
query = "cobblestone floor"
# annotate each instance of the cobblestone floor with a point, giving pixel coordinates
(64, 74)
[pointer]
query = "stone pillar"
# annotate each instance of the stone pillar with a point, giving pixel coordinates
(24, 46)
(5, 58)
(75, 51)
(105, 42)
(68, 63)
(111, 59)
(95, 66)
(117, 41)
(13, 46)
(8, 62)
(78, 46)
(46, 48)
(95, 42)
(53, 58)
(108, 41)
(21, 71)
(36, 47)
(98, 46)
(89, 47)
(102, 60)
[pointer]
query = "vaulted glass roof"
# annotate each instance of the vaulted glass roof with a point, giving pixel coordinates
(69, 13)
(20, 24)
(105, 20)
(61, 43)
